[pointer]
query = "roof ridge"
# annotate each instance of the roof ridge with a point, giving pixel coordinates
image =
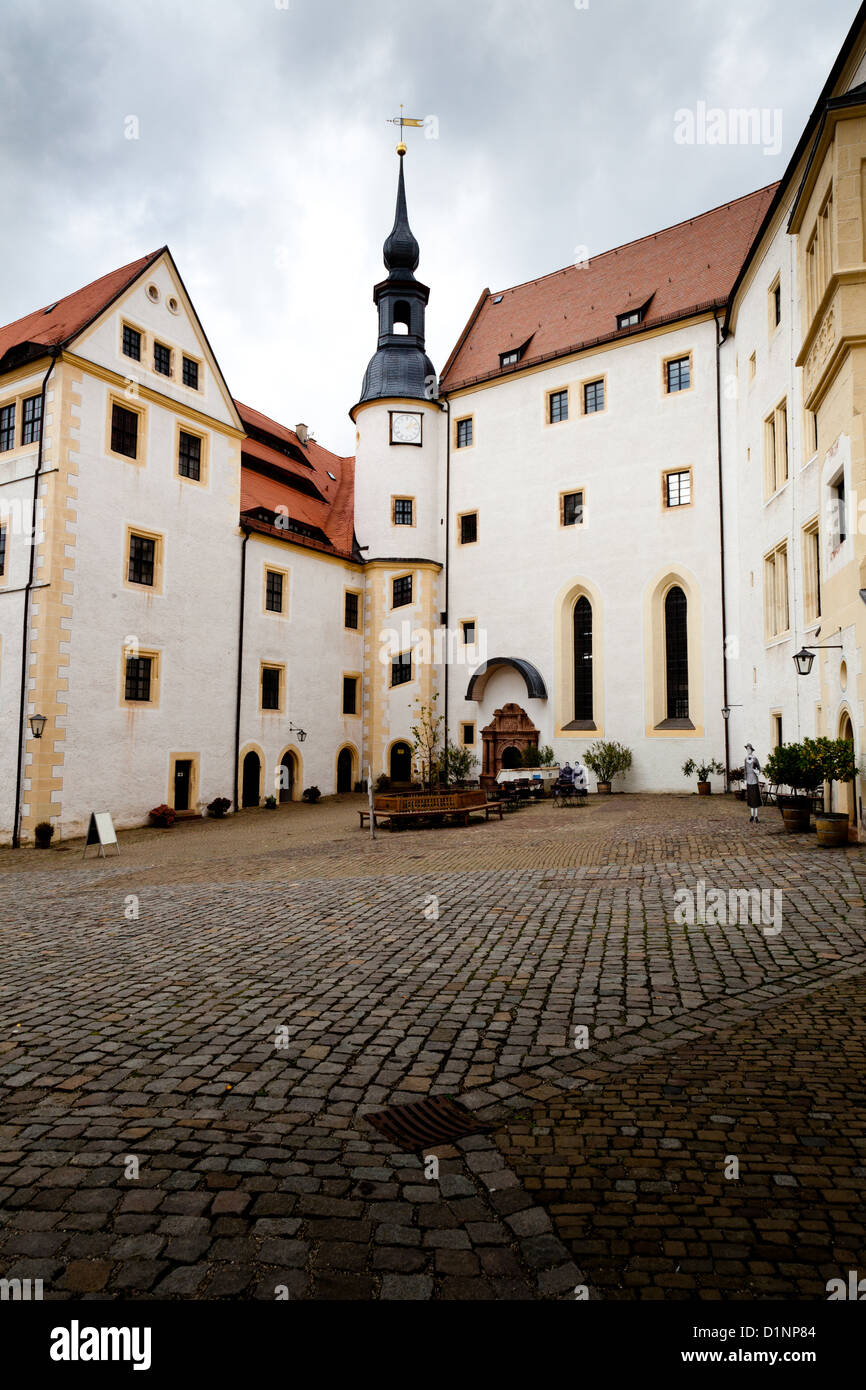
(648, 236)
(140, 261)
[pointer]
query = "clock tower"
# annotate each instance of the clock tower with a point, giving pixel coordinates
(399, 502)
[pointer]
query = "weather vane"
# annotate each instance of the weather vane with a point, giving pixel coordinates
(402, 121)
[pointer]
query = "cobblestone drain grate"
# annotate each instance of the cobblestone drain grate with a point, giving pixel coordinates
(424, 1124)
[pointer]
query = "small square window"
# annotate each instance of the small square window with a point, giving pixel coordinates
(139, 670)
(464, 433)
(593, 397)
(401, 669)
(679, 374)
(630, 319)
(31, 424)
(189, 456)
(572, 509)
(558, 408)
(274, 592)
(142, 560)
(350, 694)
(271, 687)
(469, 528)
(467, 734)
(190, 373)
(124, 431)
(131, 343)
(7, 428)
(468, 629)
(678, 488)
(162, 359)
(403, 511)
(351, 619)
(402, 591)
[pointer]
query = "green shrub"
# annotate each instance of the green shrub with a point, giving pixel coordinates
(704, 770)
(608, 760)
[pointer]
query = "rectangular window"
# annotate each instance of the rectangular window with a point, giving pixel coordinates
(142, 560)
(838, 518)
(468, 629)
(131, 343)
(351, 618)
(468, 528)
(162, 359)
(467, 733)
(777, 731)
(2, 550)
(189, 456)
(593, 397)
(679, 374)
(271, 687)
(274, 591)
(628, 320)
(558, 407)
(124, 431)
(403, 511)
(7, 427)
(777, 306)
(776, 450)
(190, 373)
(350, 694)
(776, 618)
(508, 359)
(138, 678)
(572, 509)
(812, 572)
(464, 433)
(678, 488)
(31, 424)
(401, 669)
(811, 433)
(401, 591)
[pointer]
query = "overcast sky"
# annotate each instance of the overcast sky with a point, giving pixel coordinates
(265, 162)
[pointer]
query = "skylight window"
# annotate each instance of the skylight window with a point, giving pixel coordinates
(332, 476)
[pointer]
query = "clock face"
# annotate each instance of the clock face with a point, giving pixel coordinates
(405, 428)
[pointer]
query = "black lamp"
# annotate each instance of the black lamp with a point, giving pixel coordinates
(37, 724)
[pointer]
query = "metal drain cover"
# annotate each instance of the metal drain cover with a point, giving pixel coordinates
(425, 1124)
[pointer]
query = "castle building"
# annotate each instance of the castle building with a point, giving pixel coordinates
(627, 500)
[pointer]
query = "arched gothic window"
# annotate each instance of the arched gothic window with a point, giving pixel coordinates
(677, 653)
(583, 659)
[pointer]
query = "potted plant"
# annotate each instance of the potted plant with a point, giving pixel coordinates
(737, 778)
(460, 763)
(796, 766)
(43, 834)
(270, 803)
(835, 757)
(312, 795)
(705, 771)
(607, 760)
(163, 816)
(218, 807)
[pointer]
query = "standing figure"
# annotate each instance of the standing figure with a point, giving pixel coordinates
(753, 791)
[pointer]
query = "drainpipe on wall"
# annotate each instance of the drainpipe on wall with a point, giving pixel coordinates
(237, 806)
(719, 341)
(25, 630)
(446, 406)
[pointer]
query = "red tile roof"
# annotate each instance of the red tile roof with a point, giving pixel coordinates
(59, 322)
(334, 515)
(684, 268)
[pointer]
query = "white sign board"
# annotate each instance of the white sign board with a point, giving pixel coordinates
(101, 832)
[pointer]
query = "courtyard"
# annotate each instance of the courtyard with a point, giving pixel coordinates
(193, 1032)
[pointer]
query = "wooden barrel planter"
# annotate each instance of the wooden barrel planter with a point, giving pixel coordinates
(603, 788)
(832, 829)
(797, 817)
(705, 788)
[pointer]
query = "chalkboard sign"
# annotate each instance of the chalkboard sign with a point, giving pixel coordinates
(101, 832)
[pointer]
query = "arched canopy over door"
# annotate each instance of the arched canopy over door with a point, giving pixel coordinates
(535, 687)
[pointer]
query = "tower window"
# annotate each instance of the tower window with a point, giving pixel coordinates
(351, 612)
(572, 509)
(679, 374)
(350, 694)
(190, 373)
(189, 456)
(274, 592)
(402, 317)
(464, 433)
(402, 591)
(138, 677)
(271, 687)
(142, 560)
(403, 511)
(678, 488)
(401, 669)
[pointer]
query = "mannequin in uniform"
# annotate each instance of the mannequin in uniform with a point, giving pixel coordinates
(753, 791)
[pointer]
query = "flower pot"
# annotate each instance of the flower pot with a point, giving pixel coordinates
(43, 844)
(797, 818)
(704, 788)
(603, 788)
(832, 828)
(740, 794)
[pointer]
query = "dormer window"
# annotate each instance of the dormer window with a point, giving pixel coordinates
(630, 319)
(508, 359)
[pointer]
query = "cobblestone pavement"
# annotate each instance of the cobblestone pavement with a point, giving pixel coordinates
(225, 1001)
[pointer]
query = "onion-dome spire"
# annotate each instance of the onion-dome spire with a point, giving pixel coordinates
(401, 250)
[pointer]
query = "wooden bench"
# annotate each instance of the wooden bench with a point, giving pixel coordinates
(399, 811)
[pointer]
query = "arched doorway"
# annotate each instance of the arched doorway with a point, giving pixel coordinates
(512, 757)
(288, 777)
(401, 763)
(847, 792)
(345, 771)
(252, 780)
